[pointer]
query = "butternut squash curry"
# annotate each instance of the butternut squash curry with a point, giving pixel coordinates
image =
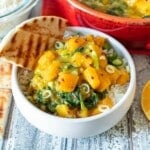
(123, 8)
(73, 78)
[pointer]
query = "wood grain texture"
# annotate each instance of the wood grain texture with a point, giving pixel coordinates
(141, 126)
(22, 135)
(131, 133)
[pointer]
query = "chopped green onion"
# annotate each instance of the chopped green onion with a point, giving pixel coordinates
(117, 62)
(107, 46)
(103, 108)
(110, 69)
(50, 85)
(79, 49)
(111, 55)
(128, 69)
(46, 94)
(85, 89)
(59, 45)
(94, 56)
(82, 105)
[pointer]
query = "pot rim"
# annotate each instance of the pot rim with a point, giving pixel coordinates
(123, 20)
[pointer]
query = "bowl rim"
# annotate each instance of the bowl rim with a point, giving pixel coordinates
(94, 117)
(19, 12)
(112, 18)
(17, 7)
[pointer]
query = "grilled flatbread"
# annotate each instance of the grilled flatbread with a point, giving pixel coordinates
(25, 44)
(5, 75)
(5, 100)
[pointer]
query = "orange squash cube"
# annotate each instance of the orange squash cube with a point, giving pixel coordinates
(46, 59)
(67, 82)
(114, 76)
(63, 110)
(74, 42)
(123, 78)
(51, 72)
(103, 62)
(106, 101)
(91, 76)
(105, 81)
(77, 59)
(99, 41)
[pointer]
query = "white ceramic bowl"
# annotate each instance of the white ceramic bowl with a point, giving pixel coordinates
(81, 127)
(9, 21)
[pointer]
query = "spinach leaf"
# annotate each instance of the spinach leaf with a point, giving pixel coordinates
(92, 101)
(77, 99)
(52, 106)
(107, 46)
(43, 96)
(39, 97)
(70, 98)
(80, 49)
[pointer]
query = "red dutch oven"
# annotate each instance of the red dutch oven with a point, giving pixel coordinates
(133, 33)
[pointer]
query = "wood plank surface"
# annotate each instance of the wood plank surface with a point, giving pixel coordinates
(131, 133)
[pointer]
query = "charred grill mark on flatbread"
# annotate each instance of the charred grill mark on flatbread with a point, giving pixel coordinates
(44, 19)
(37, 46)
(19, 54)
(47, 46)
(34, 65)
(52, 19)
(17, 47)
(32, 50)
(60, 24)
(9, 48)
(36, 30)
(43, 42)
(13, 38)
(57, 25)
(1, 106)
(12, 49)
(29, 45)
(25, 49)
(25, 27)
(26, 43)
(35, 21)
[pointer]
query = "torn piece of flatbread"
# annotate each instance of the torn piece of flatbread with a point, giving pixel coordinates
(5, 101)
(25, 44)
(5, 74)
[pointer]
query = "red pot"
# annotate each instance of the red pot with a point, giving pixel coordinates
(133, 33)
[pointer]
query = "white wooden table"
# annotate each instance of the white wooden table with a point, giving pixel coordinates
(132, 133)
